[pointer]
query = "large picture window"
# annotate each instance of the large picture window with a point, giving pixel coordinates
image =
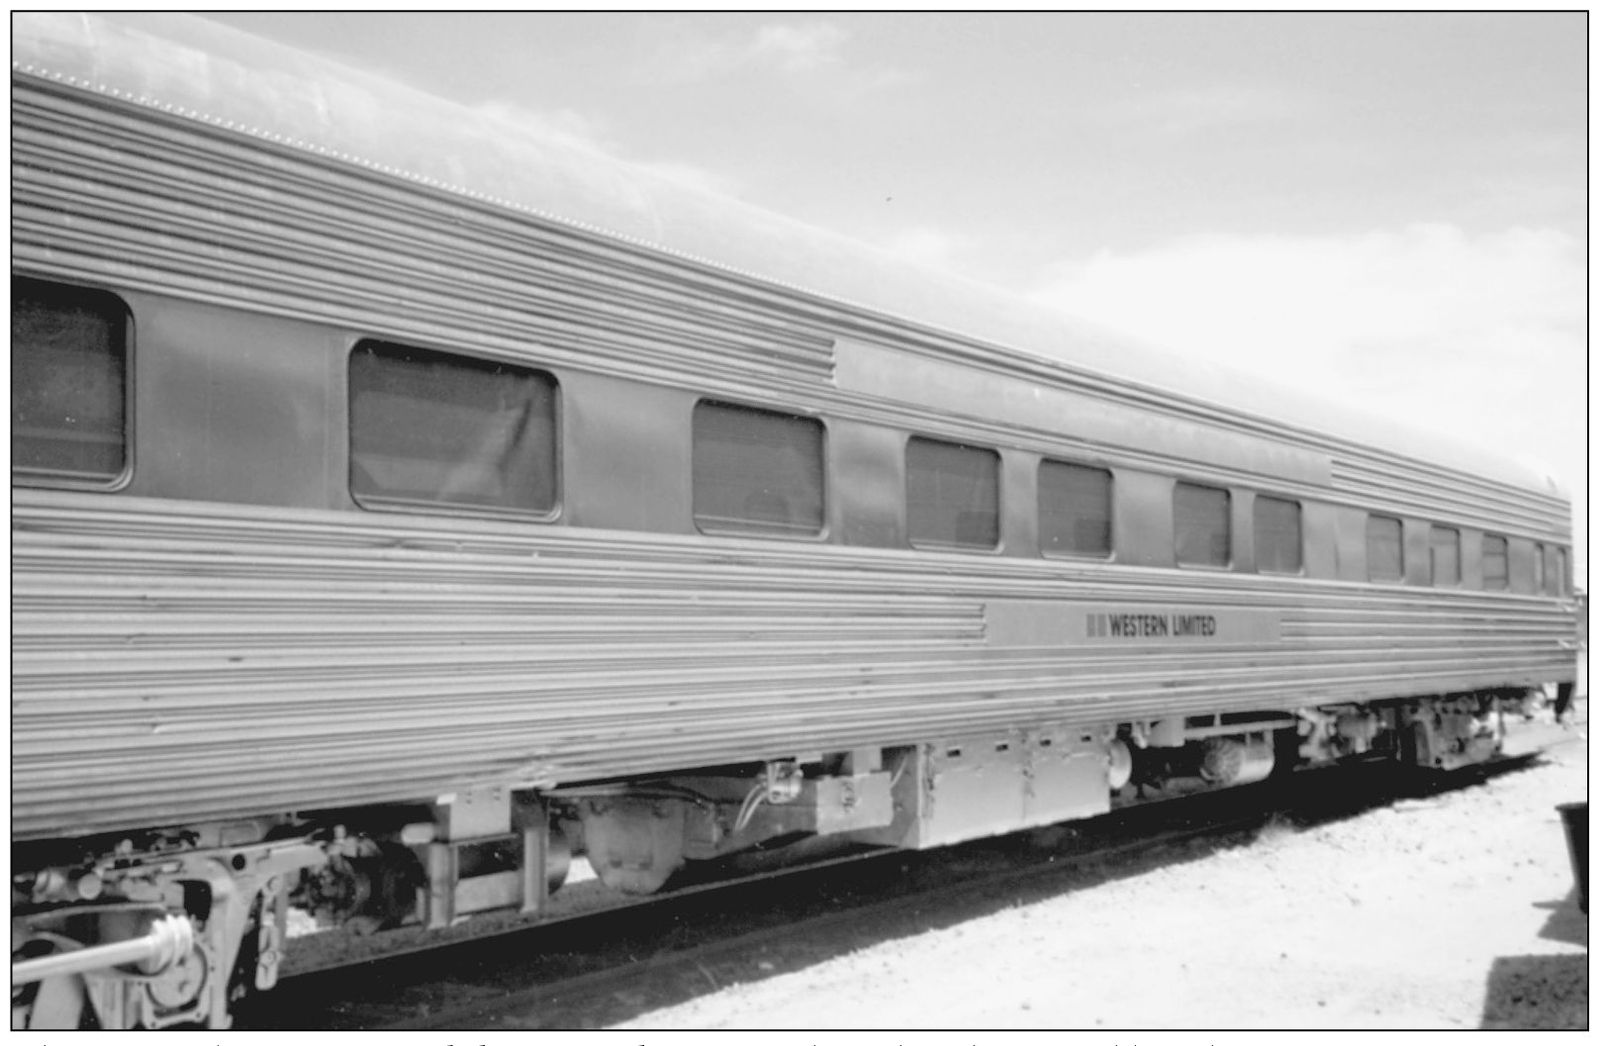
(1444, 556)
(432, 428)
(756, 471)
(952, 494)
(1384, 554)
(1278, 535)
(1076, 509)
(1202, 526)
(69, 382)
(1494, 563)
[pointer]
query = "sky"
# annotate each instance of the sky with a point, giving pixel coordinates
(1385, 209)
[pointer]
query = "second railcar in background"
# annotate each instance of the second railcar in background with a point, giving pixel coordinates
(405, 507)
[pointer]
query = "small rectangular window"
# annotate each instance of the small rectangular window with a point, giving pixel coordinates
(952, 494)
(432, 428)
(1444, 556)
(1075, 509)
(69, 382)
(1202, 526)
(1562, 572)
(1553, 563)
(1494, 563)
(756, 471)
(1545, 566)
(1278, 535)
(1384, 548)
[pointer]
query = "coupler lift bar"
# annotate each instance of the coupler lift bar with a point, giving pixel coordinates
(170, 939)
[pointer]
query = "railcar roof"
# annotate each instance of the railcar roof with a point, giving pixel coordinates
(231, 79)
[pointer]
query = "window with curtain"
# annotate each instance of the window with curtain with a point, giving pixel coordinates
(434, 428)
(1202, 526)
(952, 493)
(1444, 556)
(1075, 509)
(1278, 535)
(756, 471)
(69, 382)
(1384, 548)
(1494, 563)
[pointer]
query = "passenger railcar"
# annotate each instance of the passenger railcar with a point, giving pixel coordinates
(403, 505)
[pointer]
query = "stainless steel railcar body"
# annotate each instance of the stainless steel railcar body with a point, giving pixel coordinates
(226, 631)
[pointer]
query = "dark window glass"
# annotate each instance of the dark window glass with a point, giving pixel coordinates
(1545, 567)
(952, 494)
(1202, 526)
(436, 429)
(1384, 548)
(757, 471)
(1076, 509)
(1562, 572)
(69, 381)
(1278, 535)
(1551, 581)
(1554, 575)
(1494, 563)
(1444, 556)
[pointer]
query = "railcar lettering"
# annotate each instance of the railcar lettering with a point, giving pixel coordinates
(1039, 623)
(1130, 626)
(1195, 625)
(1150, 626)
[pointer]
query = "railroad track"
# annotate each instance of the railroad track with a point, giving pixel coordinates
(601, 969)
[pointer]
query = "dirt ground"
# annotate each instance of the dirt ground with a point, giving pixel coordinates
(1457, 911)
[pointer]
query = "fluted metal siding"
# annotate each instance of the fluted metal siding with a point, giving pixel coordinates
(1393, 483)
(180, 661)
(105, 193)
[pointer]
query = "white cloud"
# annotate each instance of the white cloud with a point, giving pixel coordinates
(799, 48)
(1202, 109)
(691, 176)
(791, 49)
(932, 248)
(1429, 289)
(1480, 337)
(563, 126)
(572, 130)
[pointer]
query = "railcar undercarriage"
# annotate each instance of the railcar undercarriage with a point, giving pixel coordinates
(171, 927)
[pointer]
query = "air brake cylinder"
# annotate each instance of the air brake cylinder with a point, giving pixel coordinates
(634, 843)
(1232, 761)
(1120, 764)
